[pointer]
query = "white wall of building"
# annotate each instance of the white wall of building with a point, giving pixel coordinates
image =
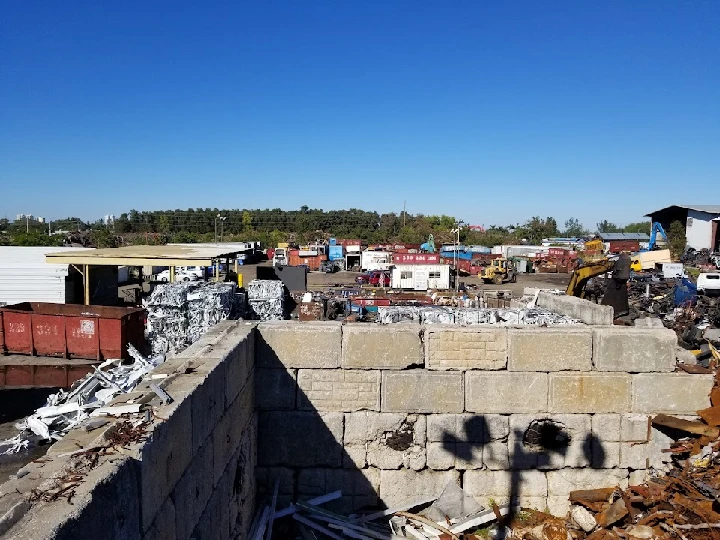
(699, 229)
(420, 277)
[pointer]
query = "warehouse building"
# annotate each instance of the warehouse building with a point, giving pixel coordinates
(701, 223)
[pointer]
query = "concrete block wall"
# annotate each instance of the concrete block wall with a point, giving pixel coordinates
(391, 413)
(193, 476)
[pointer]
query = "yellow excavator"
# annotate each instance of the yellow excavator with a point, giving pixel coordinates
(616, 287)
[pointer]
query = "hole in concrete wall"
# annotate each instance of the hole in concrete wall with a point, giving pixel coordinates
(546, 436)
(402, 438)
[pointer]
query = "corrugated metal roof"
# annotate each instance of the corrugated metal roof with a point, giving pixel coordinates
(708, 208)
(624, 236)
(26, 277)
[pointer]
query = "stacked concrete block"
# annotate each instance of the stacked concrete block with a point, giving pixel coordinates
(485, 406)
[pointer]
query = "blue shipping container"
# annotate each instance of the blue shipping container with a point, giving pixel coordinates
(335, 253)
(332, 241)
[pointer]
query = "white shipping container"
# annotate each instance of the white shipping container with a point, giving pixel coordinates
(420, 277)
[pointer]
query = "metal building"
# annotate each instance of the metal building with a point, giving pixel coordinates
(420, 277)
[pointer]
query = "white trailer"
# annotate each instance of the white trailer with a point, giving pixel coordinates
(375, 260)
(420, 277)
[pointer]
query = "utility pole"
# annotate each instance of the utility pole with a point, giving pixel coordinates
(404, 212)
(27, 223)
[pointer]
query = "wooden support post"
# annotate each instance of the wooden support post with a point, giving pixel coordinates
(172, 274)
(86, 281)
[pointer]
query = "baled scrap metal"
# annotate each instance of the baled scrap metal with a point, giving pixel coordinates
(439, 315)
(470, 316)
(180, 313)
(266, 299)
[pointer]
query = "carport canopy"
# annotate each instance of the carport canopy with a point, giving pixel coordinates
(165, 255)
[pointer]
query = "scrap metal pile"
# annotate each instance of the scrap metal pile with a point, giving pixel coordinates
(470, 316)
(452, 516)
(88, 397)
(266, 299)
(180, 313)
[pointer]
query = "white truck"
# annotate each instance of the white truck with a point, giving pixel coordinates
(709, 283)
(280, 258)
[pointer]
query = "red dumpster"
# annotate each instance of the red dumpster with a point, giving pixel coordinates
(71, 330)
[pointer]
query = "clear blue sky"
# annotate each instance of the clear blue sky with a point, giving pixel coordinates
(490, 111)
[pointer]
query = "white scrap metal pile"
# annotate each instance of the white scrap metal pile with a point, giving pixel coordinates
(180, 313)
(266, 299)
(470, 316)
(449, 516)
(87, 397)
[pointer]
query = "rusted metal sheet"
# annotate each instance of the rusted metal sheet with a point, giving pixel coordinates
(71, 331)
(618, 246)
(311, 311)
(312, 262)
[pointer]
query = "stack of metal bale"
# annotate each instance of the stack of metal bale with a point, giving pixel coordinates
(180, 313)
(266, 299)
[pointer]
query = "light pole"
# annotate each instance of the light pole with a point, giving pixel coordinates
(221, 218)
(222, 227)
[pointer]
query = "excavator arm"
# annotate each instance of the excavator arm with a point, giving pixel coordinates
(584, 273)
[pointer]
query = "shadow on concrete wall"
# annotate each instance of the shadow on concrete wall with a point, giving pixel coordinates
(304, 449)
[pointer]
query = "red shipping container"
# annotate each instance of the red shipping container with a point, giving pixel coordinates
(416, 258)
(313, 262)
(618, 246)
(557, 252)
(71, 330)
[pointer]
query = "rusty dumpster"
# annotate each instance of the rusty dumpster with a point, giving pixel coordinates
(71, 330)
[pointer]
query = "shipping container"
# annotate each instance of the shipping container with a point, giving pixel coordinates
(420, 277)
(416, 258)
(618, 246)
(70, 330)
(345, 243)
(312, 263)
(336, 253)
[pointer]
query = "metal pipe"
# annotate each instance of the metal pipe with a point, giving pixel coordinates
(86, 280)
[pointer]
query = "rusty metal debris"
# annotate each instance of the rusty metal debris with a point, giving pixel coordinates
(82, 462)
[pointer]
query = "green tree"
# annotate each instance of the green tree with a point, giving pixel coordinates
(677, 239)
(36, 238)
(640, 227)
(607, 227)
(247, 220)
(102, 238)
(574, 229)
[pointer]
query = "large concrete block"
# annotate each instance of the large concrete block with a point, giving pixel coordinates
(634, 350)
(338, 390)
(577, 308)
(164, 456)
(106, 504)
(529, 488)
(359, 487)
(677, 393)
(473, 428)
(561, 483)
(300, 439)
(385, 440)
(241, 471)
(193, 491)
(454, 455)
(634, 455)
(275, 389)
(214, 522)
(550, 349)
(421, 391)
(381, 347)
(452, 347)
(228, 432)
(240, 360)
(506, 392)
(298, 345)
(635, 428)
(265, 478)
(606, 427)
(550, 441)
(589, 393)
(163, 528)
(401, 486)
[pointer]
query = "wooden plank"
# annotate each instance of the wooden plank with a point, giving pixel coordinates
(697, 428)
(317, 527)
(271, 518)
(405, 506)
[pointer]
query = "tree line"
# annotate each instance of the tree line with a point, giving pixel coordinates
(271, 226)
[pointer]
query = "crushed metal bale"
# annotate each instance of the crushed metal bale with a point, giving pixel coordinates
(470, 316)
(266, 299)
